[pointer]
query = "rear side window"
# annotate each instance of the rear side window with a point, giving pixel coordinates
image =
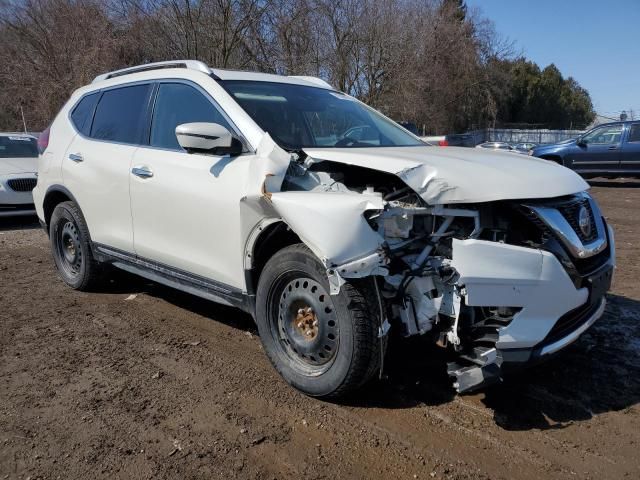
(634, 133)
(178, 103)
(120, 114)
(81, 115)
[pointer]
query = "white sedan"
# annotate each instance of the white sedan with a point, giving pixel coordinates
(18, 173)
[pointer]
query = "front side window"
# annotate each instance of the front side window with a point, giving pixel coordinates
(298, 116)
(176, 104)
(18, 147)
(120, 114)
(81, 115)
(606, 135)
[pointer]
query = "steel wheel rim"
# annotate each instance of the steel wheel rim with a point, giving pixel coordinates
(306, 325)
(69, 249)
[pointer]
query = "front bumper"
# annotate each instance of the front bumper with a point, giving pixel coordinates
(15, 203)
(555, 308)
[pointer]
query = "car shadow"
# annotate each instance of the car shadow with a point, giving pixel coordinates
(598, 373)
(121, 282)
(27, 222)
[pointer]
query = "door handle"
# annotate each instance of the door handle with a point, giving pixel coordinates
(76, 157)
(613, 147)
(142, 172)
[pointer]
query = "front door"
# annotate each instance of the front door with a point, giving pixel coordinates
(599, 150)
(630, 155)
(186, 207)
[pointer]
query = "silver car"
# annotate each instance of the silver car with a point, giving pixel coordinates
(18, 173)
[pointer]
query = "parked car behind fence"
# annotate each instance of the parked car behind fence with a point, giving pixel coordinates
(610, 150)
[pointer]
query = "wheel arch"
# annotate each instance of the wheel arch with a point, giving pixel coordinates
(55, 195)
(267, 238)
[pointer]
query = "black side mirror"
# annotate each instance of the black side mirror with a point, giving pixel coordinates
(580, 142)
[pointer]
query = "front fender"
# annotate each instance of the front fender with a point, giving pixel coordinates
(331, 223)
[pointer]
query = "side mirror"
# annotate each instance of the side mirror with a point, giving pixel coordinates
(210, 138)
(580, 142)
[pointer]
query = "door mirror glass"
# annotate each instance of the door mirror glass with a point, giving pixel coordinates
(207, 138)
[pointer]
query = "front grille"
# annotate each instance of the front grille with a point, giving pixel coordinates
(586, 266)
(542, 229)
(22, 184)
(570, 212)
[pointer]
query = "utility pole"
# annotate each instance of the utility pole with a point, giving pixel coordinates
(24, 124)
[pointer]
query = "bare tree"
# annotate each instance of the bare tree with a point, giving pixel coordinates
(432, 62)
(44, 56)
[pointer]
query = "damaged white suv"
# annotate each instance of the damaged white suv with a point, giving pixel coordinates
(323, 219)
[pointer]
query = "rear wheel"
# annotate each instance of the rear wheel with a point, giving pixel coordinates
(324, 345)
(71, 248)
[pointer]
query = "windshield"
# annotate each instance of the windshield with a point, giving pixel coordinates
(297, 116)
(18, 147)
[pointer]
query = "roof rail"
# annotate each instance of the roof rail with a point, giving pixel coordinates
(190, 64)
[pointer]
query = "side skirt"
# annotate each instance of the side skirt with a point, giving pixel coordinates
(175, 278)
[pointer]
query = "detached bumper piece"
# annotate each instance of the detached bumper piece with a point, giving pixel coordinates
(476, 370)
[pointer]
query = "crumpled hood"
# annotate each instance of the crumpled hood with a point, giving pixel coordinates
(18, 165)
(444, 175)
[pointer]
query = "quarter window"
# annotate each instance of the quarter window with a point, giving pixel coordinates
(81, 115)
(120, 114)
(176, 104)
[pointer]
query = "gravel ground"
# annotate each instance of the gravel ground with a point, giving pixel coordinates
(139, 381)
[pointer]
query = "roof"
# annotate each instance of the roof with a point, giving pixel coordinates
(602, 120)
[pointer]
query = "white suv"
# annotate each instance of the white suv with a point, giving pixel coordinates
(327, 222)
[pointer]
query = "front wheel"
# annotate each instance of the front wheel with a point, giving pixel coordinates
(324, 345)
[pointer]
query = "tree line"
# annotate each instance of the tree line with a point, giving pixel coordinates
(434, 63)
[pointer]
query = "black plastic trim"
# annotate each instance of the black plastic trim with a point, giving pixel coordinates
(176, 278)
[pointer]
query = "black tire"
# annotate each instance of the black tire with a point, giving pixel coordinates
(71, 248)
(342, 352)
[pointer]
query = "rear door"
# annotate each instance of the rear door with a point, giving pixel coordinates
(96, 165)
(599, 151)
(630, 154)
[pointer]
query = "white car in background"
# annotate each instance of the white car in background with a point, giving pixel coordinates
(18, 173)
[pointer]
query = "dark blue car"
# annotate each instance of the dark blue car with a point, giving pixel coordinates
(608, 150)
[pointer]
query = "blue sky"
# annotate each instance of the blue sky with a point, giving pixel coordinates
(596, 42)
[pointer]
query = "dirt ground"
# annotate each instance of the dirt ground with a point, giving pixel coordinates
(140, 381)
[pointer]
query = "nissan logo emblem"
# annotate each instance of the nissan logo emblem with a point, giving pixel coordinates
(584, 221)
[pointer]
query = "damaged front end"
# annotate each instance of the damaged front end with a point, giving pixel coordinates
(460, 273)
